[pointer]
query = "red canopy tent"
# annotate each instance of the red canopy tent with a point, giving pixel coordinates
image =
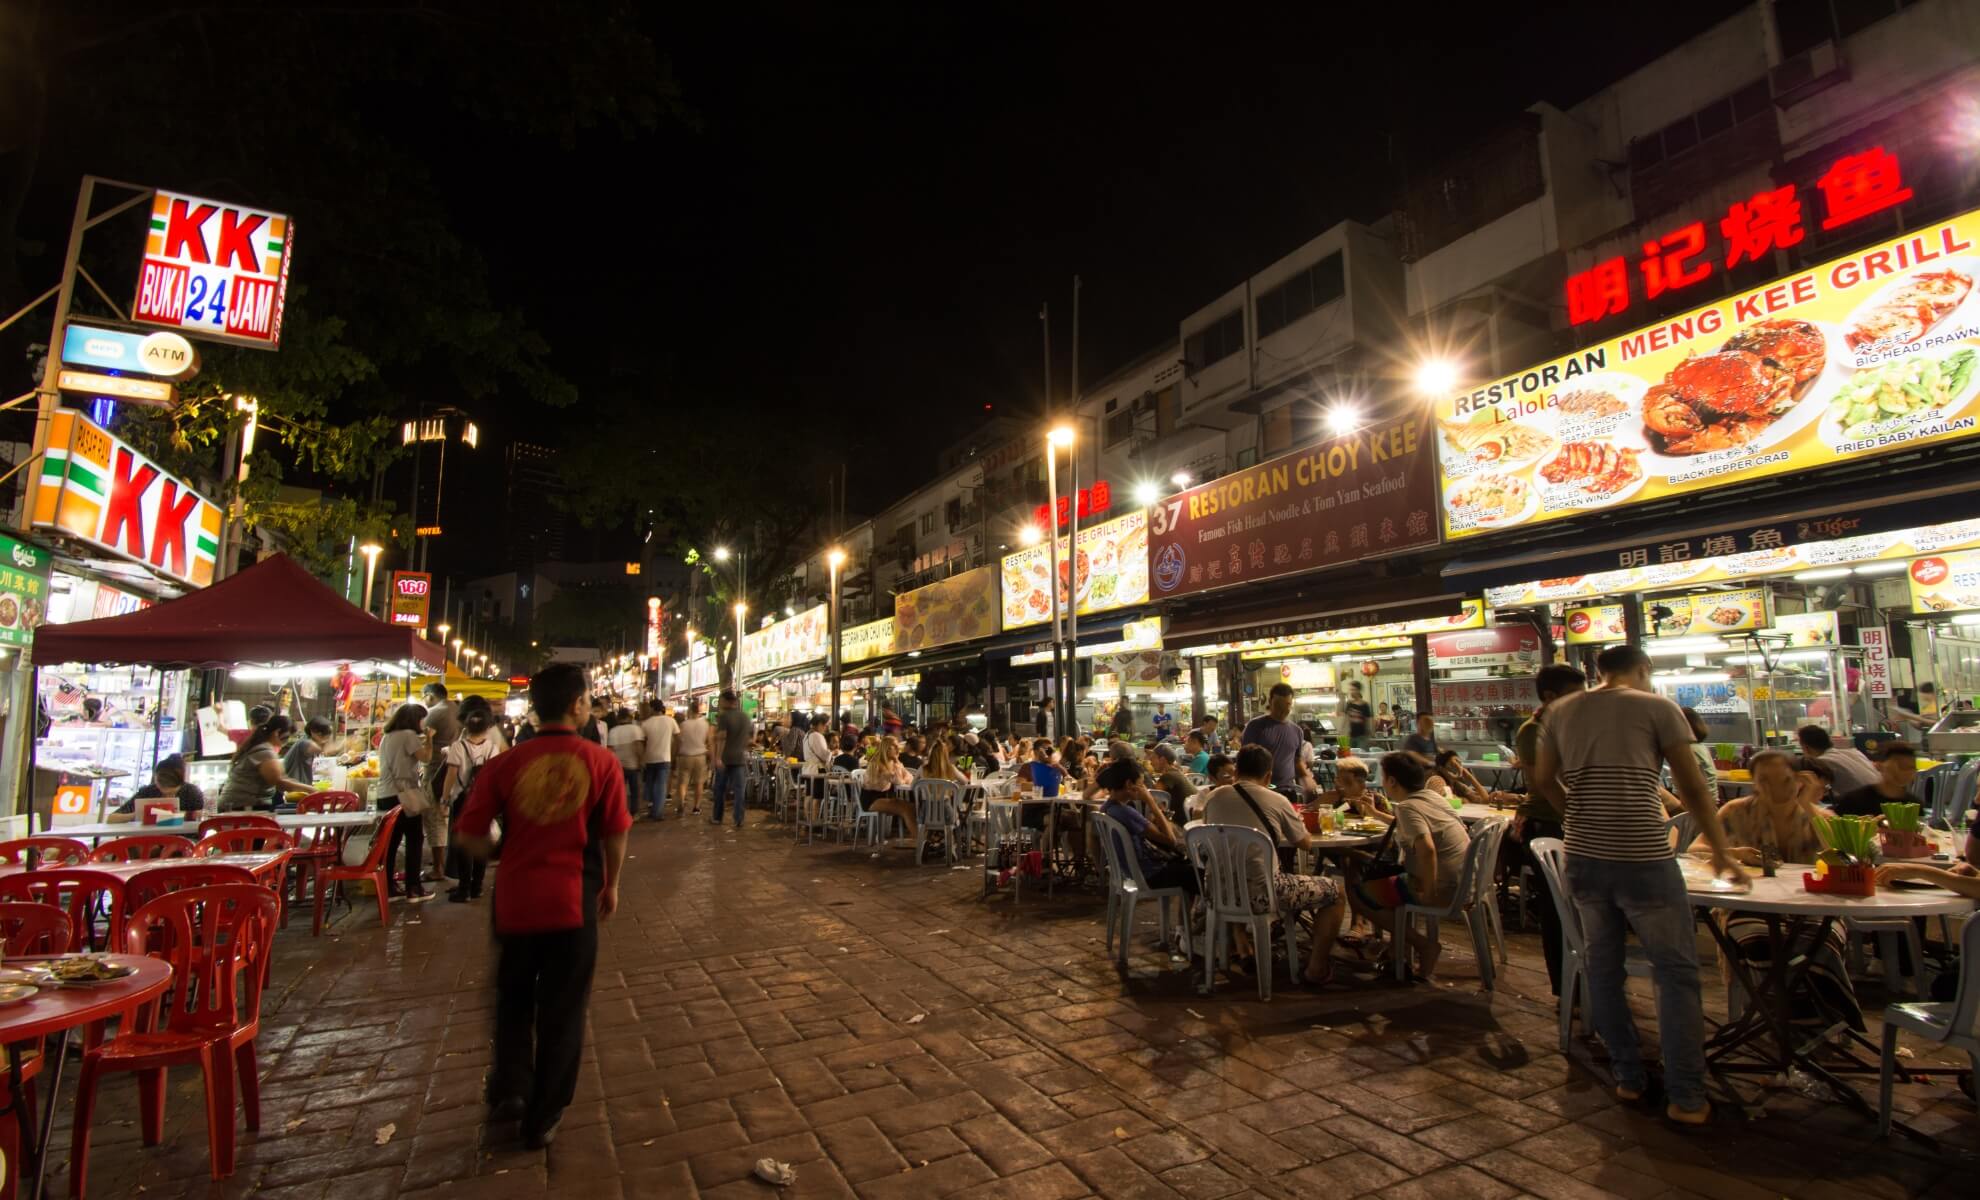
(274, 613)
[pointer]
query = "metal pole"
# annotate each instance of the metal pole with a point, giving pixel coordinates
(832, 637)
(47, 396)
(1058, 629)
(1072, 581)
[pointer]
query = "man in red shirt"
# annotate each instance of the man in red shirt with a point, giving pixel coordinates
(562, 804)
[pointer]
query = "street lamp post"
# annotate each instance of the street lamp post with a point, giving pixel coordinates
(1053, 440)
(741, 608)
(371, 551)
(1072, 575)
(834, 559)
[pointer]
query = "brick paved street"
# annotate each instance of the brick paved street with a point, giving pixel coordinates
(756, 998)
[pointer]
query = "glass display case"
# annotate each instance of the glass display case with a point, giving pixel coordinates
(115, 719)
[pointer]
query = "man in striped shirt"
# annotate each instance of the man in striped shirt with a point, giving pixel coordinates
(1601, 756)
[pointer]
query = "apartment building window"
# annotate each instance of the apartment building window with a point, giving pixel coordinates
(1319, 284)
(1119, 425)
(928, 522)
(1216, 341)
(1694, 129)
(1165, 411)
(1276, 433)
(1807, 23)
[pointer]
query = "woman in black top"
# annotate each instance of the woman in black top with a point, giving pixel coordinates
(847, 759)
(168, 782)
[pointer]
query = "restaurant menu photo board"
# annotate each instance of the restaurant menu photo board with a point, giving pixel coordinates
(1595, 624)
(1945, 582)
(23, 590)
(788, 643)
(94, 487)
(1806, 630)
(1857, 357)
(960, 608)
(1840, 552)
(1366, 494)
(1705, 613)
(1110, 562)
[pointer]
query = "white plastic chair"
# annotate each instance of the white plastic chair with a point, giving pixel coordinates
(1551, 854)
(937, 809)
(1956, 1024)
(1005, 838)
(1685, 828)
(1220, 854)
(1127, 886)
(1472, 901)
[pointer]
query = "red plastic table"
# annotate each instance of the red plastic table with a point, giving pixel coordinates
(54, 1012)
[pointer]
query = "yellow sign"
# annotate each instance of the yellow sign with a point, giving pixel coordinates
(1945, 582)
(1112, 563)
(1809, 629)
(870, 640)
(1470, 616)
(122, 387)
(1867, 355)
(1707, 613)
(1595, 624)
(960, 608)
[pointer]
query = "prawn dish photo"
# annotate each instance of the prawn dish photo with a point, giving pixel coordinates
(1728, 399)
(1596, 468)
(1496, 443)
(1902, 314)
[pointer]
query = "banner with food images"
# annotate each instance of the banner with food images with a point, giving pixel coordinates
(1705, 613)
(960, 608)
(23, 590)
(1860, 356)
(1110, 562)
(1945, 582)
(1595, 624)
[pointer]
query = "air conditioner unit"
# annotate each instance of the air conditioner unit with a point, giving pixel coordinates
(1814, 70)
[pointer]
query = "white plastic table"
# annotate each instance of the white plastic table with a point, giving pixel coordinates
(1797, 921)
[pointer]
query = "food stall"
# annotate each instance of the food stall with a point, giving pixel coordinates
(272, 616)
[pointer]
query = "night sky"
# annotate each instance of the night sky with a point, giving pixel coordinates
(849, 229)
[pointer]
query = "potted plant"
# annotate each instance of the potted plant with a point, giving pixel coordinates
(1903, 835)
(1844, 867)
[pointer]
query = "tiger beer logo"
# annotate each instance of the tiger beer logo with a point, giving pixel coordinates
(552, 788)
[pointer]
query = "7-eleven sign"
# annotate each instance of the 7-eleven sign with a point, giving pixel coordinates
(215, 270)
(96, 488)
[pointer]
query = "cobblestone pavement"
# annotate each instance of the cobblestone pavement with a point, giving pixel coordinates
(890, 1035)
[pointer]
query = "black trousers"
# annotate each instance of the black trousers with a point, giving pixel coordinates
(1543, 899)
(409, 832)
(543, 988)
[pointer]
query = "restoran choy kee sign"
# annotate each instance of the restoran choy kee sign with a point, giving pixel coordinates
(1857, 357)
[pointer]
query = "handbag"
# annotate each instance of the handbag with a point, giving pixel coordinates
(1288, 855)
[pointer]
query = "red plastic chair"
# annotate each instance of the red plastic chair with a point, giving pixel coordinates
(152, 882)
(59, 851)
(32, 928)
(318, 848)
(218, 940)
(243, 841)
(372, 868)
(142, 847)
(80, 892)
(228, 821)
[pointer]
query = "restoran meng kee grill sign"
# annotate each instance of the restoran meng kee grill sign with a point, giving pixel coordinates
(1366, 494)
(1856, 357)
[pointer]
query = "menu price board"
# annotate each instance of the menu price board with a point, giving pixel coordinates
(1110, 563)
(23, 590)
(1860, 356)
(1705, 613)
(1595, 624)
(1369, 493)
(1945, 582)
(412, 595)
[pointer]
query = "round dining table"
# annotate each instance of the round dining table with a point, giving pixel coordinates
(1762, 1039)
(57, 1012)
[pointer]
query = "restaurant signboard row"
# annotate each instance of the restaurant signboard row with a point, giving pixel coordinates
(1871, 354)
(791, 642)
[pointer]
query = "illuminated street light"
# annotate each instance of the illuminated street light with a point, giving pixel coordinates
(721, 554)
(1146, 494)
(1436, 377)
(1343, 419)
(1031, 535)
(1060, 436)
(1181, 479)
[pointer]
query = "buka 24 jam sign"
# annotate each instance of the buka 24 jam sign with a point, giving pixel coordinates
(215, 270)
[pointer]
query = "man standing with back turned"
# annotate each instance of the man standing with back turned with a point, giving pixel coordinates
(562, 804)
(1600, 754)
